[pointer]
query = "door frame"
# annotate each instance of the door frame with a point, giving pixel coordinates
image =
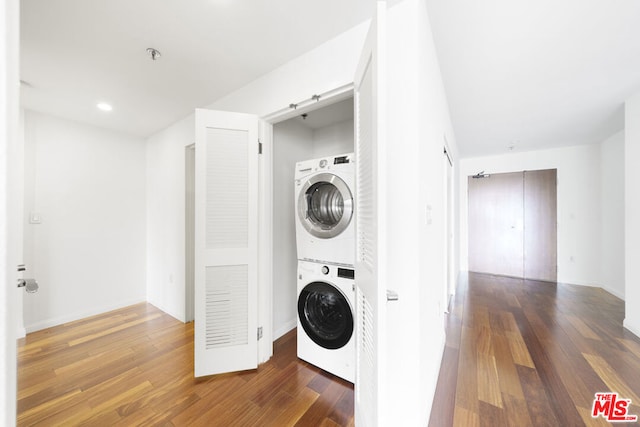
(9, 129)
(190, 219)
(265, 203)
(449, 233)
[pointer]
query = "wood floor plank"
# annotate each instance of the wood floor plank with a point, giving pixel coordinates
(582, 327)
(135, 367)
(491, 416)
(446, 386)
(465, 418)
(537, 399)
(467, 382)
(42, 411)
(509, 381)
(323, 405)
(519, 350)
(516, 411)
(488, 381)
(533, 353)
(341, 412)
(611, 377)
(292, 413)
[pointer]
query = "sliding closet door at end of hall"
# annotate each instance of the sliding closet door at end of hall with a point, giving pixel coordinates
(496, 224)
(540, 225)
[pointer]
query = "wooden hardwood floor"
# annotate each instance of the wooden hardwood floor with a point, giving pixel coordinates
(526, 353)
(518, 353)
(135, 367)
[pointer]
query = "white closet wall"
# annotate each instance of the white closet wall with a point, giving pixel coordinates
(333, 139)
(292, 142)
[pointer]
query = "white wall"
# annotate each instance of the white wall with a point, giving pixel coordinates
(579, 224)
(333, 140)
(632, 214)
(612, 205)
(165, 214)
(418, 121)
(327, 67)
(292, 142)
(89, 189)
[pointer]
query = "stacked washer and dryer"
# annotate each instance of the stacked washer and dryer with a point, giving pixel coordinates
(325, 237)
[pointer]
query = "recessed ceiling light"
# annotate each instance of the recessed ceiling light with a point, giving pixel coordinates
(104, 106)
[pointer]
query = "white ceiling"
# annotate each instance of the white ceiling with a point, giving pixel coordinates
(536, 74)
(529, 74)
(75, 54)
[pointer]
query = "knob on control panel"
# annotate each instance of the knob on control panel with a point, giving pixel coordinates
(325, 269)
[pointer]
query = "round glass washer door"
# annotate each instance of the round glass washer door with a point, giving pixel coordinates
(325, 315)
(325, 205)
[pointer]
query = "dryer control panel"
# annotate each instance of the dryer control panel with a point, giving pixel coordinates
(340, 160)
(346, 273)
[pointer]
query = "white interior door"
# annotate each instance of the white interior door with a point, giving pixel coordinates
(370, 227)
(10, 204)
(226, 242)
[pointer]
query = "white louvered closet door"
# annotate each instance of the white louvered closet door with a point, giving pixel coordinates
(226, 242)
(370, 226)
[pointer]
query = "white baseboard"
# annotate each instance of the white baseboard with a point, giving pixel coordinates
(22, 332)
(59, 320)
(283, 329)
(614, 293)
(604, 288)
(635, 331)
(434, 379)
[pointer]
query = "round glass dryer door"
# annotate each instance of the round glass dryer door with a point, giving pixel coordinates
(325, 315)
(325, 205)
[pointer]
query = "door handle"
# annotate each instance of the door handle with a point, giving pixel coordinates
(29, 285)
(392, 295)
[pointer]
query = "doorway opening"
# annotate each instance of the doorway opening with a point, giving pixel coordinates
(313, 133)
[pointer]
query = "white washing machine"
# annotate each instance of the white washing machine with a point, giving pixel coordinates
(326, 318)
(325, 230)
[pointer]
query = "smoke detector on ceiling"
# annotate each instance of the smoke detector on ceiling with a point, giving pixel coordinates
(154, 54)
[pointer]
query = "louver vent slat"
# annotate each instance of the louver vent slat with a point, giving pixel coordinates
(227, 189)
(366, 218)
(226, 306)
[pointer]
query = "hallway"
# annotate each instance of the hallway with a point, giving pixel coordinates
(527, 353)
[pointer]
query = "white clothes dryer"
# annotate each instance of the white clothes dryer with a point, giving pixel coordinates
(326, 318)
(325, 230)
